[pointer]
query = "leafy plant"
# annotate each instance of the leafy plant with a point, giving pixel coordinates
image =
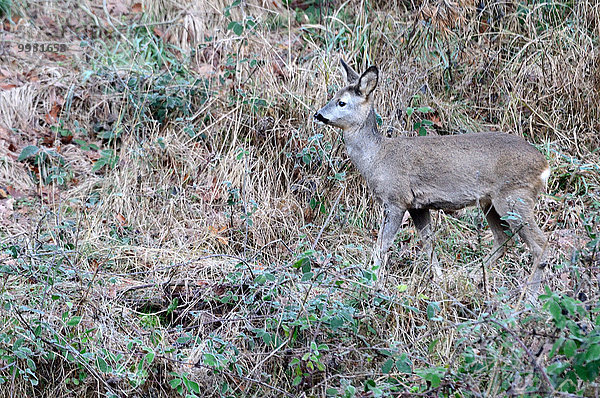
(184, 385)
(420, 126)
(575, 355)
(108, 159)
(47, 164)
(5, 8)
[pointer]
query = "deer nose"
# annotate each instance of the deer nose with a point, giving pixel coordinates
(321, 118)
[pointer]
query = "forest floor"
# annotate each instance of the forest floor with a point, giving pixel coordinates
(174, 223)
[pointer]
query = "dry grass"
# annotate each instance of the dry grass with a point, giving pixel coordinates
(184, 247)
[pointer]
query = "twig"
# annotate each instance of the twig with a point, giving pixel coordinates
(228, 373)
(109, 20)
(532, 358)
(259, 251)
(327, 220)
(69, 349)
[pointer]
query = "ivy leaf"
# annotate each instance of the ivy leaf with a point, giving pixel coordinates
(193, 386)
(557, 368)
(149, 357)
(210, 360)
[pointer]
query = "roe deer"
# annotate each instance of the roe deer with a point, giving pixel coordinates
(500, 172)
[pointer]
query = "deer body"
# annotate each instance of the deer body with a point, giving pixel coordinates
(500, 172)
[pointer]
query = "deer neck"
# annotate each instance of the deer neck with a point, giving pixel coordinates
(363, 143)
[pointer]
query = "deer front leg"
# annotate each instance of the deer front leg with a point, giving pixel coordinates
(392, 218)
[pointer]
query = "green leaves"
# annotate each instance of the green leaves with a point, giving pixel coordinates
(422, 109)
(182, 380)
(387, 366)
(554, 308)
(28, 152)
(304, 263)
(102, 365)
(578, 342)
(108, 159)
(399, 361)
(420, 126)
(432, 374)
(569, 348)
(593, 352)
(74, 321)
(236, 27)
(432, 308)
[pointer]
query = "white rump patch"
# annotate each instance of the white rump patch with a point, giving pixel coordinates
(545, 175)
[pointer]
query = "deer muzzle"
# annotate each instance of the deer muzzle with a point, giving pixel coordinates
(321, 118)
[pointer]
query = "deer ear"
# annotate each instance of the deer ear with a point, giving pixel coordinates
(367, 82)
(349, 74)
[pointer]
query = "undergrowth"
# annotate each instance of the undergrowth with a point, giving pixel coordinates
(174, 224)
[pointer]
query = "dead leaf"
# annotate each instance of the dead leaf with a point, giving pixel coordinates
(92, 155)
(49, 194)
(279, 69)
(7, 87)
(205, 70)
(259, 267)
(14, 193)
(32, 76)
(121, 220)
(137, 7)
(66, 139)
(112, 291)
(214, 193)
(158, 32)
(216, 232)
(52, 116)
(47, 139)
(6, 208)
(47, 23)
(8, 138)
(117, 7)
(56, 57)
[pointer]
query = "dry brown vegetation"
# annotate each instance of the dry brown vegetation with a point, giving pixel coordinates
(173, 222)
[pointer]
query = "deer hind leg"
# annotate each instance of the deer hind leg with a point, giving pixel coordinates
(422, 220)
(518, 211)
(392, 219)
(498, 228)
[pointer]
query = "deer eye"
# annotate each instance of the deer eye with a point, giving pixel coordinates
(341, 104)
